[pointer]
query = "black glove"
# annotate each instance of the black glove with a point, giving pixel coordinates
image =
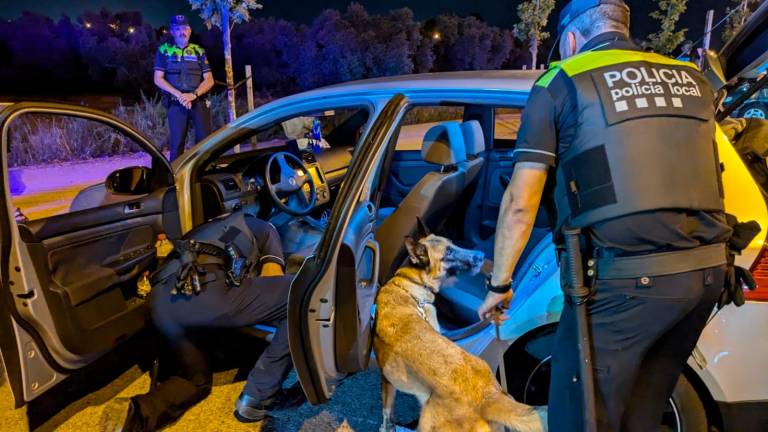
(736, 278)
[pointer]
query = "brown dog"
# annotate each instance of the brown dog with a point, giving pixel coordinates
(457, 391)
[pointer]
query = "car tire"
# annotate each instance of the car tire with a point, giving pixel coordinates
(754, 110)
(686, 410)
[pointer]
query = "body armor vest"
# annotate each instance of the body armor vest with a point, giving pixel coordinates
(644, 140)
(226, 242)
(183, 69)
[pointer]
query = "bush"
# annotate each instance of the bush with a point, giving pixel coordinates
(40, 138)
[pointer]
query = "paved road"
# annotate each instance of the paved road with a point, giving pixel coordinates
(76, 405)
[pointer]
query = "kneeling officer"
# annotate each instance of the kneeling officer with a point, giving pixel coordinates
(630, 139)
(227, 273)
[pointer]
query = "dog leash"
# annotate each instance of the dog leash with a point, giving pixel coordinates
(495, 314)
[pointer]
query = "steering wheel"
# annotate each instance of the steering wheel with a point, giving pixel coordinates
(285, 176)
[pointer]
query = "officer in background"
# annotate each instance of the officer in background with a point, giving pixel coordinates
(183, 74)
(629, 137)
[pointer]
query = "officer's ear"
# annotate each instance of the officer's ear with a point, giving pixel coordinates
(571, 45)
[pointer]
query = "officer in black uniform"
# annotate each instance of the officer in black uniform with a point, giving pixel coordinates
(629, 137)
(183, 74)
(227, 273)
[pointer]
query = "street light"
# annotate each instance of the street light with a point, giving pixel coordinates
(436, 36)
(131, 29)
(88, 25)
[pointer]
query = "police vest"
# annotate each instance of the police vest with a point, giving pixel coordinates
(225, 243)
(645, 138)
(183, 67)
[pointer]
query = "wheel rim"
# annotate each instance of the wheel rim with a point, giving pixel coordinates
(754, 113)
(670, 422)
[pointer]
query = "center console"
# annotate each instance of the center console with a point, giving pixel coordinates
(318, 178)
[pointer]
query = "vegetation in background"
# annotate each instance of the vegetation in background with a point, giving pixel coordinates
(668, 38)
(738, 15)
(533, 15)
(225, 14)
(113, 52)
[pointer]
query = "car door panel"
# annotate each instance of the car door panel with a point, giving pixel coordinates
(499, 167)
(330, 302)
(70, 279)
(356, 276)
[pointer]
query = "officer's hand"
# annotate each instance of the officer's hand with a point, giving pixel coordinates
(485, 311)
(186, 99)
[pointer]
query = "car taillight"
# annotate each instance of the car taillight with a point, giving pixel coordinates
(760, 273)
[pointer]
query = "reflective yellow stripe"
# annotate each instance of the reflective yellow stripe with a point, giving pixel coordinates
(547, 78)
(591, 60)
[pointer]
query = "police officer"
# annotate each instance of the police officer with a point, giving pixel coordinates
(227, 273)
(183, 74)
(629, 137)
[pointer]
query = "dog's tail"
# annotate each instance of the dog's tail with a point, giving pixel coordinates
(502, 409)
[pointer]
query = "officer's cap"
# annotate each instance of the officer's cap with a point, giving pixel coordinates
(179, 20)
(576, 8)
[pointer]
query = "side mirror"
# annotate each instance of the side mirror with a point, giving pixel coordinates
(713, 69)
(136, 180)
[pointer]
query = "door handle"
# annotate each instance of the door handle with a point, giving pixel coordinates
(373, 245)
(132, 207)
(504, 179)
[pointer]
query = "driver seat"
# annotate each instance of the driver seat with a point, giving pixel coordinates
(431, 199)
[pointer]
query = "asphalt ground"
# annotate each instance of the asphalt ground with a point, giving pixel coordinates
(76, 405)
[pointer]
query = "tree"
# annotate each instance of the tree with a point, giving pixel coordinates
(667, 38)
(533, 15)
(737, 16)
(225, 14)
(466, 43)
(117, 48)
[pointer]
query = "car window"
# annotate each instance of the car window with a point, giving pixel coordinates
(506, 126)
(419, 119)
(58, 164)
(316, 131)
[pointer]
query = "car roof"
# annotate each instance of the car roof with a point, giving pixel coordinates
(497, 80)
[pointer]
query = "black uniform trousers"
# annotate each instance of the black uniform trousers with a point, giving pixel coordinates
(178, 121)
(259, 300)
(643, 331)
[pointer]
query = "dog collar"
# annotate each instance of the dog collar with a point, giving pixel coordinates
(421, 306)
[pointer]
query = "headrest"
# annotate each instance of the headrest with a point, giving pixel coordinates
(473, 137)
(444, 144)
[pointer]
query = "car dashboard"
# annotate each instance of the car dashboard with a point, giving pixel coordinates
(238, 181)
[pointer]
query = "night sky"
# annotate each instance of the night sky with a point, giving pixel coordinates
(496, 12)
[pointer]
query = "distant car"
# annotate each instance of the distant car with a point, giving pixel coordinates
(68, 280)
(755, 107)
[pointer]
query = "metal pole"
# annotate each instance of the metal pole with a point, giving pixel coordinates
(249, 97)
(249, 86)
(578, 294)
(708, 33)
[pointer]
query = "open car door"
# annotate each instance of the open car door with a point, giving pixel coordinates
(330, 306)
(68, 280)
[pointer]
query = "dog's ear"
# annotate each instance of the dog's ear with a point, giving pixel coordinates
(421, 229)
(417, 253)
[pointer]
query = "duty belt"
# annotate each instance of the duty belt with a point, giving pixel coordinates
(662, 264)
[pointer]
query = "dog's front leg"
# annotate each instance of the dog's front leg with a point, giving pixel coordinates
(388, 392)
